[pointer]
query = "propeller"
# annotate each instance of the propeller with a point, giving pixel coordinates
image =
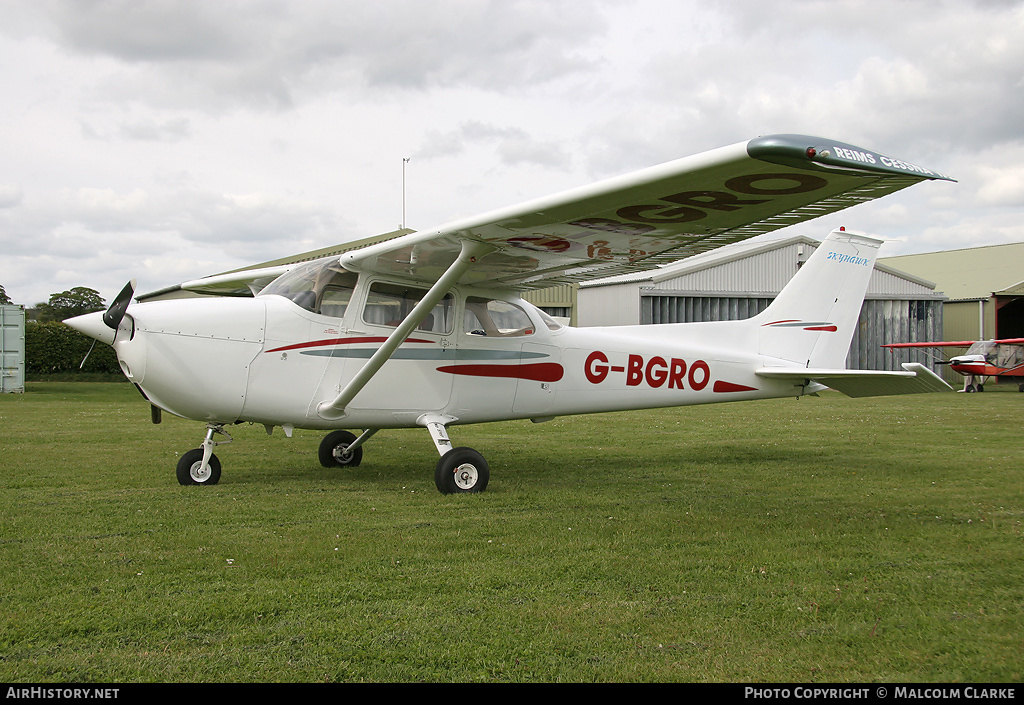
(112, 316)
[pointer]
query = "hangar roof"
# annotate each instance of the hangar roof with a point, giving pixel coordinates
(735, 253)
(970, 273)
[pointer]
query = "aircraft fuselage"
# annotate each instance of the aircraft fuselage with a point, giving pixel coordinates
(266, 360)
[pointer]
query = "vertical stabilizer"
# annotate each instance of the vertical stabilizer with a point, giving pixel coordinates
(812, 321)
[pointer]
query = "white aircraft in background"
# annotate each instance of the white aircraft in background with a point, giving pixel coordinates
(428, 329)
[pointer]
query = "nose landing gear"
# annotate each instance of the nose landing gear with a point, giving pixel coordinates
(200, 466)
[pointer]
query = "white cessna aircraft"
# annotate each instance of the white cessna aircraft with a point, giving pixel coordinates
(428, 329)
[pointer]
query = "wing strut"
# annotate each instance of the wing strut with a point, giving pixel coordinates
(470, 252)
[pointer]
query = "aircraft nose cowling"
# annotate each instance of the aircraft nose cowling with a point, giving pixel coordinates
(93, 326)
(191, 357)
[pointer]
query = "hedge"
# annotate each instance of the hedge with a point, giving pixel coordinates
(55, 348)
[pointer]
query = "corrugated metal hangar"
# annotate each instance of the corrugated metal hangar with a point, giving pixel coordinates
(985, 286)
(739, 281)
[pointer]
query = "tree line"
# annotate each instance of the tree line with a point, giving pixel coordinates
(54, 348)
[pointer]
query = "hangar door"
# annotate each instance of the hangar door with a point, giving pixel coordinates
(882, 321)
(1010, 316)
(691, 309)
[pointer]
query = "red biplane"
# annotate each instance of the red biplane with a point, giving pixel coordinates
(983, 359)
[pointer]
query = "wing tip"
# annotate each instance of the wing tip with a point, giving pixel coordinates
(819, 153)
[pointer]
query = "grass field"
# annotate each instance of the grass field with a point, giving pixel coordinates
(811, 540)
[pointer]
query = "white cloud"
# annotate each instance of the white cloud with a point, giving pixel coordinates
(170, 140)
(10, 195)
(273, 55)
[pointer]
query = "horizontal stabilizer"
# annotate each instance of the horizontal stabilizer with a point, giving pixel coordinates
(915, 379)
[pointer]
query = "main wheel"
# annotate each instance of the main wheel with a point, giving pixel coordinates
(461, 470)
(334, 450)
(189, 469)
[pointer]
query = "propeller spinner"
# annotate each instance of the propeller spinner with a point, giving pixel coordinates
(103, 326)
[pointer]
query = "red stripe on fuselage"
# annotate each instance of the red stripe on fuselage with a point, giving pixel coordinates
(723, 387)
(342, 341)
(538, 372)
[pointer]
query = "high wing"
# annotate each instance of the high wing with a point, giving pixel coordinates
(955, 343)
(250, 281)
(648, 218)
(942, 343)
(247, 282)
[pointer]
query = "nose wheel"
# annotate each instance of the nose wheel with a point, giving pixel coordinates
(200, 466)
(192, 471)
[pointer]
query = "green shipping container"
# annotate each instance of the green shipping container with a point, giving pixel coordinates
(12, 348)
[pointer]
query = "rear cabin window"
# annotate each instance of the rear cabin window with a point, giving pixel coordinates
(389, 304)
(496, 318)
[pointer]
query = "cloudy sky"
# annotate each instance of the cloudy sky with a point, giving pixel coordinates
(171, 139)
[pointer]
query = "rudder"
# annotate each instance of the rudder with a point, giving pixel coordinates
(812, 321)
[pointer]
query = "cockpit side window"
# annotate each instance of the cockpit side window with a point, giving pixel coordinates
(550, 322)
(322, 286)
(496, 318)
(335, 297)
(388, 304)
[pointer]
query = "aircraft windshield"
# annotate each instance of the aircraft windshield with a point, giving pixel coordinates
(982, 347)
(322, 286)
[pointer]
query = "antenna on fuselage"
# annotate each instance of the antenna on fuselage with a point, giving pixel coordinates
(405, 160)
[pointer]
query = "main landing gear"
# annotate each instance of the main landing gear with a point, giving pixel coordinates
(343, 449)
(459, 470)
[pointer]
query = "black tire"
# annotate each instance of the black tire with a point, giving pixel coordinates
(188, 469)
(334, 450)
(461, 470)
